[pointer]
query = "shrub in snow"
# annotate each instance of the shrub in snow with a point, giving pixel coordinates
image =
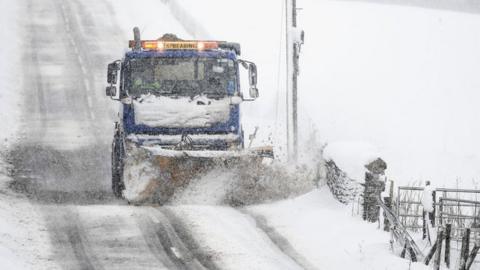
(343, 188)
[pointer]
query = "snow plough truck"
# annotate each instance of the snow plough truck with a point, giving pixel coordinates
(179, 114)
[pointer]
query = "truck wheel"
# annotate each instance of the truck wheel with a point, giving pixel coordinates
(117, 170)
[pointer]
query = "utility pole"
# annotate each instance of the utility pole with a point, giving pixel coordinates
(295, 39)
(287, 86)
(294, 83)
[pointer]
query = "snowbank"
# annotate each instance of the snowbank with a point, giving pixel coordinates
(330, 237)
(351, 157)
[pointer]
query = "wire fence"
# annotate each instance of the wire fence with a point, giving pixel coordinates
(459, 207)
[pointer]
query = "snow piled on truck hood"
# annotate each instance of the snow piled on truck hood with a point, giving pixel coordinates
(179, 112)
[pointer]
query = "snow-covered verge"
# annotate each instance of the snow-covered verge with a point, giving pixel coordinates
(326, 234)
(23, 237)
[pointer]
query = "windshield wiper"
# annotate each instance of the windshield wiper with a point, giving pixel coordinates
(174, 85)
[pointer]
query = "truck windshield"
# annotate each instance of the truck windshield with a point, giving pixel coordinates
(180, 76)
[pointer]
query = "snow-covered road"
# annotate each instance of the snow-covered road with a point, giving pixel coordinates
(62, 161)
(122, 237)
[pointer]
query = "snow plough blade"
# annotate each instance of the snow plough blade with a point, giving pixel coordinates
(152, 174)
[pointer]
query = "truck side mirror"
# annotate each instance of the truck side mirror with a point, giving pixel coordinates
(111, 91)
(252, 79)
(112, 72)
(252, 76)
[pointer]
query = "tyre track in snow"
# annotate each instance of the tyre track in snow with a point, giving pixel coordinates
(281, 242)
(188, 239)
(166, 235)
(69, 235)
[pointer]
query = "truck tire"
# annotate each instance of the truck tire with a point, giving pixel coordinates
(117, 168)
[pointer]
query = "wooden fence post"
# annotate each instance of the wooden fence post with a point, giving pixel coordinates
(440, 201)
(404, 250)
(467, 245)
(448, 232)
(424, 224)
(386, 222)
(413, 256)
(398, 202)
(430, 253)
(473, 254)
(438, 254)
(409, 248)
(434, 195)
(465, 249)
(389, 203)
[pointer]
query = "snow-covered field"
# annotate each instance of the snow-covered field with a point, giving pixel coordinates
(401, 79)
